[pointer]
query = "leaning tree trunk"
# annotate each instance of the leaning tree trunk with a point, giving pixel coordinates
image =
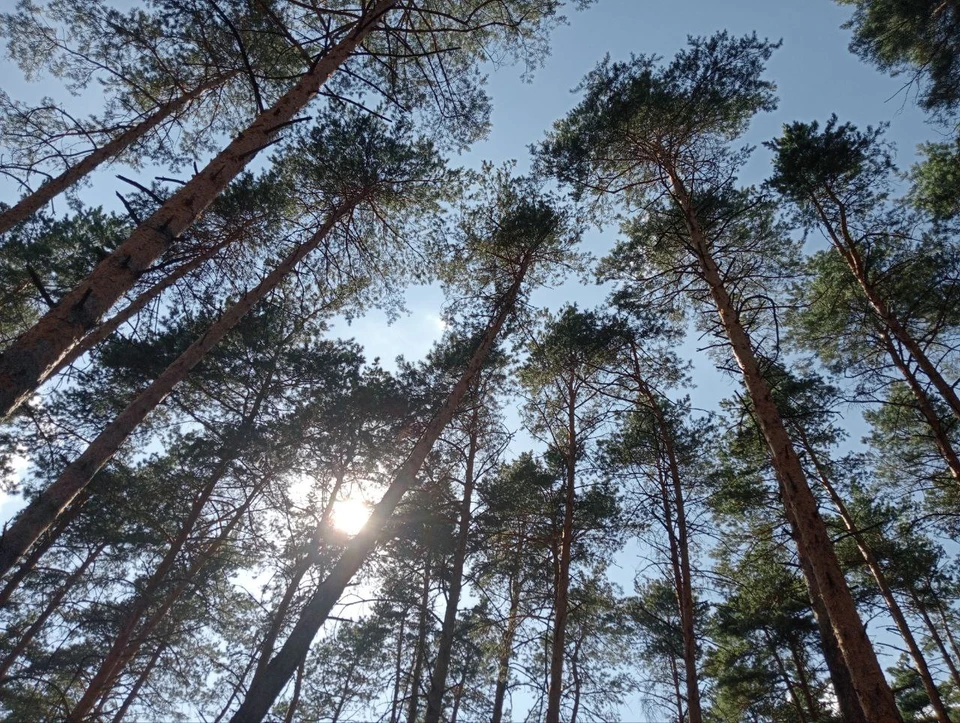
(883, 584)
(438, 681)
(138, 685)
(940, 437)
(30, 359)
(935, 634)
(263, 693)
(561, 602)
(813, 541)
(27, 206)
(45, 507)
(847, 248)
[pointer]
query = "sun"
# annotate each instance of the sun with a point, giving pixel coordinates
(350, 515)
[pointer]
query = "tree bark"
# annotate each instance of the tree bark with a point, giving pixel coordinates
(935, 634)
(874, 693)
(420, 651)
(261, 696)
(561, 601)
(883, 584)
(27, 362)
(45, 507)
(438, 681)
(506, 644)
(30, 204)
(141, 681)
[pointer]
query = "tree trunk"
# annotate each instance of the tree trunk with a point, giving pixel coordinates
(847, 247)
(561, 602)
(295, 699)
(680, 552)
(39, 550)
(398, 672)
(107, 328)
(940, 436)
(420, 651)
(45, 507)
(880, 577)
(31, 632)
(141, 681)
(935, 634)
(803, 680)
(30, 204)
(506, 644)
(276, 675)
(798, 706)
(874, 693)
(29, 360)
(438, 682)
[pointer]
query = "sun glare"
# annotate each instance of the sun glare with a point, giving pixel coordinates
(350, 515)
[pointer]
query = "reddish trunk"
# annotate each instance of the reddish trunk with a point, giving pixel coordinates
(31, 358)
(45, 507)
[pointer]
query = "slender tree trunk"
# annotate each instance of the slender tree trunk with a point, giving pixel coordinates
(803, 680)
(45, 507)
(883, 584)
(141, 681)
(30, 204)
(31, 632)
(297, 688)
(940, 436)
(260, 696)
(438, 682)
(398, 673)
(577, 682)
(27, 362)
(935, 634)
(791, 689)
(39, 550)
(420, 652)
(847, 247)
(506, 644)
(561, 601)
(874, 693)
(951, 661)
(677, 693)
(680, 552)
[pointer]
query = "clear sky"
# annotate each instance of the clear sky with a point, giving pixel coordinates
(814, 72)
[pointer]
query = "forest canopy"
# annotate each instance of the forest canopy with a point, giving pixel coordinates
(677, 441)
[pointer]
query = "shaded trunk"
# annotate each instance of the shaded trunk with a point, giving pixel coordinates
(43, 510)
(438, 682)
(295, 699)
(27, 362)
(39, 550)
(141, 681)
(398, 673)
(260, 696)
(803, 680)
(31, 632)
(940, 437)
(813, 542)
(420, 651)
(935, 634)
(30, 204)
(506, 644)
(883, 584)
(847, 247)
(127, 645)
(784, 674)
(561, 602)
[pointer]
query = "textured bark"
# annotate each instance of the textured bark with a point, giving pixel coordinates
(438, 681)
(847, 247)
(30, 204)
(43, 510)
(874, 693)
(561, 603)
(260, 696)
(31, 358)
(883, 584)
(107, 328)
(31, 632)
